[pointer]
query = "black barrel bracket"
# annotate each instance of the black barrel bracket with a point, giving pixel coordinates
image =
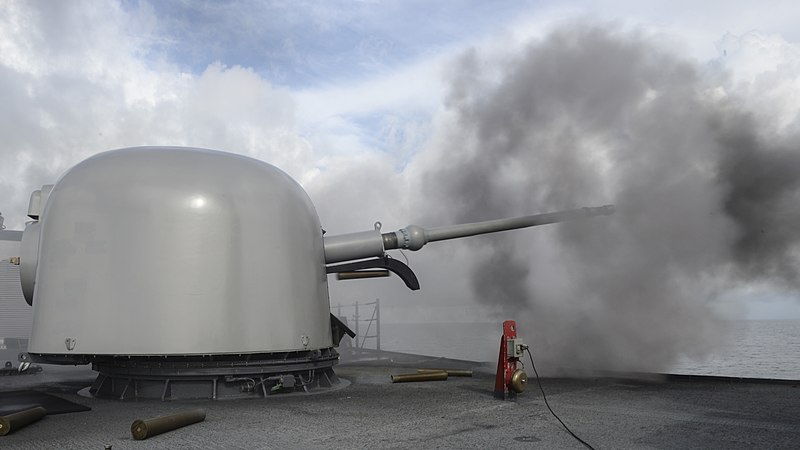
(383, 262)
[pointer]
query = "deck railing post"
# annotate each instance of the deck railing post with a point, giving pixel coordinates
(378, 324)
(356, 318)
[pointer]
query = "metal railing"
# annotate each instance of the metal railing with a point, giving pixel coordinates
(356, 316)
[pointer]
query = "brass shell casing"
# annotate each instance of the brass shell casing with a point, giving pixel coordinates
(13, 422)
(450, 372)
(143, 429)
(409, 377)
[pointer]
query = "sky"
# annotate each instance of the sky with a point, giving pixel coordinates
(402, 111)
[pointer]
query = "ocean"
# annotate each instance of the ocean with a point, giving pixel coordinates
(756, 349)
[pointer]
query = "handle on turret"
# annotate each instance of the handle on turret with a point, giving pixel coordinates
(348, 247)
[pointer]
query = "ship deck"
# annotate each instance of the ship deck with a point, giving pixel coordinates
(636, 411)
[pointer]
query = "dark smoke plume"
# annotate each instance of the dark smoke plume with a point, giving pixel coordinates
(590, 116)
(762, 182)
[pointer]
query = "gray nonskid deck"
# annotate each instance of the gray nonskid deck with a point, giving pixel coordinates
(657, 412)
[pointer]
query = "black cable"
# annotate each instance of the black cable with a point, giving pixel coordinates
(548, 404)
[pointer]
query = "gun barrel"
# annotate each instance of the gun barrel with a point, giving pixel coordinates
(365, 244)
(514, 223)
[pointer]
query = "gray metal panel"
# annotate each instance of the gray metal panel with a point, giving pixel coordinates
(16, 316)
(170, 251)
(347, 247)
(10, 235)
(29, 254)
(9, 249)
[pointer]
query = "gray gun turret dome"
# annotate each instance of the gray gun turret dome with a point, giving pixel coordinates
(174, 251)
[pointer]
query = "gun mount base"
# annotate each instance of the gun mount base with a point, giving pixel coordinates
(215, 376)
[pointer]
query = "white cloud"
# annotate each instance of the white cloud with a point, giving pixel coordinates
(352, 117)
(76, 82)
(765, 71)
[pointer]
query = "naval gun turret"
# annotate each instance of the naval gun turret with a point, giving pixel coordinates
(185, 273)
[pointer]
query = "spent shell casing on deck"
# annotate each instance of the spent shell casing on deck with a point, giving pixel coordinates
(410, 377)
(143, 429)
(13, 422)
(450, 372)
(361, 274)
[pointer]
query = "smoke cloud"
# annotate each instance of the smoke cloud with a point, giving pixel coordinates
(760, 176)
(589, 116)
